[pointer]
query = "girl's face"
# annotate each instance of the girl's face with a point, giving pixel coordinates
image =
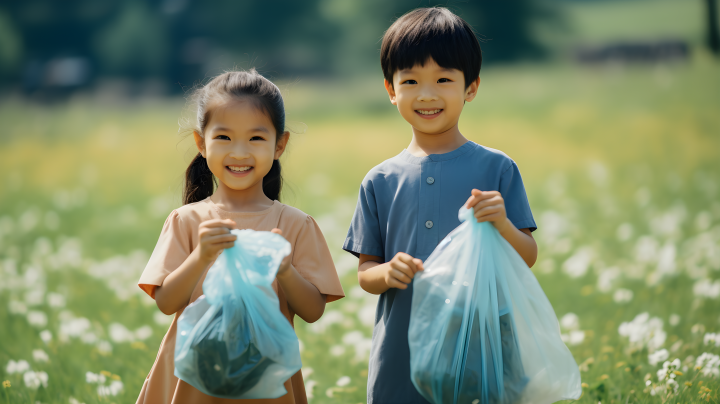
(240, 144)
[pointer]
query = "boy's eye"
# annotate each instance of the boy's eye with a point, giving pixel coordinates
(409, 82)
(256, 138)
(444, 80)
(222, 137)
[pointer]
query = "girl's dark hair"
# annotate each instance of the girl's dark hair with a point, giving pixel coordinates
(250, 85)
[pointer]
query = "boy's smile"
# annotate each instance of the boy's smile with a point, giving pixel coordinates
(430, 97)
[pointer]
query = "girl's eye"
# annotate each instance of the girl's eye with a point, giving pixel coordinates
(444, 80)
(256, 138)
(222, 137)
(409, 82)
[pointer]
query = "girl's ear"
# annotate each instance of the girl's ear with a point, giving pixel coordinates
(281, 144)
(472, 90)
(199, 142)
(391, 92)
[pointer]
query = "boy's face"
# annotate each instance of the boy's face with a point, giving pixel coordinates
(430, 97)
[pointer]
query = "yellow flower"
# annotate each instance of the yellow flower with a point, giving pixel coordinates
(689, 384)
(677, 372)
(604, 377)
(627, 369)
(105, 373)
(115, 377)
(585, 385)
(619, 364)
(6, 383)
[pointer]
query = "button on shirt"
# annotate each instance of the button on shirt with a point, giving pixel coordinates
(409, 204)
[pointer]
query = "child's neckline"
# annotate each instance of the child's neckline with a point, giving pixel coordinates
(406, 156)
(231, 213)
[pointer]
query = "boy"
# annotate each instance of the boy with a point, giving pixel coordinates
(431, 62)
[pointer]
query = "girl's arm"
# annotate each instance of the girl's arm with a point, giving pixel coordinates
(302, 296)
(177, 288)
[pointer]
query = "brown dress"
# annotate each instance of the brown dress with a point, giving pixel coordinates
(179, 237)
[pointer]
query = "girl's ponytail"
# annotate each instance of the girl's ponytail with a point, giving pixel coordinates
(272, 182)
(199, 181)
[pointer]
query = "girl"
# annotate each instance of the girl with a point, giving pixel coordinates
(234, 182)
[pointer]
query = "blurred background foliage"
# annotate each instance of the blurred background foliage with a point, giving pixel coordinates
(165, 46)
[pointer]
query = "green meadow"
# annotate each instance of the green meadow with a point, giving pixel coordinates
(621, 165)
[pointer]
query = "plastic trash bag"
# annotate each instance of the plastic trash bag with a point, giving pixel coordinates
(233, 342)
(481, 328)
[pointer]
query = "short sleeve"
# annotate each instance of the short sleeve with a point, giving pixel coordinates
(312, 259)
(516, 200)
(172, 249)
(364, 234)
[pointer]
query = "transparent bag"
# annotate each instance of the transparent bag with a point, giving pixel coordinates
(233, 342)
(481, 328)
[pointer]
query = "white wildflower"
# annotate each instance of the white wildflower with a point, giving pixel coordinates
(658, 356)
(16, 307)
(331, 317)
(337, 350)
(366, 315)
(34, 297)
(104, 347)
(119, 333)
(711, 339)
(33, 380)
(89, 338)
(343, 381)
(576, 337)
(666, 259)
(706, 288)
(306, 372)
(309, 387)
(46, 336)
(570, 321)
(17, 367)
(55, 300)
(644, 331)
(73, 400)
(622, 296)
(95, 378)
(624, 232)
(115, 387)
(709, 364)
(646, 249)
(606, 278)
(674, 320)
(144, 332)
(578, 264)
(40, 356)
(37, 318)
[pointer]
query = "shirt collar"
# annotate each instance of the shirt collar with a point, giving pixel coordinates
(407, 157)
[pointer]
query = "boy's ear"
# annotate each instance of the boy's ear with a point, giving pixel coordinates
(391, 92)
(472, 90)
(199, 142)
(281, 145)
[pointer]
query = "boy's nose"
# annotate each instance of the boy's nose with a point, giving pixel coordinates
(427, 95)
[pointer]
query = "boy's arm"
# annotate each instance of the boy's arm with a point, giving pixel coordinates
(376, 276)
(490, 207)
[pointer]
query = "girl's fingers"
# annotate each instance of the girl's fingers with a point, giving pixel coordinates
(490, 218)
(223, 238)
(276, 231)
(214, 231)
(218, 223)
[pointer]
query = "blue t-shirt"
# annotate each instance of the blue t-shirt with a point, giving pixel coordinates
(409, 204)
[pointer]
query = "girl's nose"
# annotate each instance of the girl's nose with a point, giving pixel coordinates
(240, 151)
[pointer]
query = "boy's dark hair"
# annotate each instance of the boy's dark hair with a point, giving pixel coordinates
(199, 180)
(434, 33)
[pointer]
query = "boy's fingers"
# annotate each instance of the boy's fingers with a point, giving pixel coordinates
(489, 218)
(410, 262)
(394, 283)
(276, 231)
(394, 273)
(488, 210)
(402, 267)
(418, 263)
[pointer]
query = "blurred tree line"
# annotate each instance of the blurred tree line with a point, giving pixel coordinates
(73, 43)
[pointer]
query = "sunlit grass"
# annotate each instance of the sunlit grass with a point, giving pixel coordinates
(85, 188)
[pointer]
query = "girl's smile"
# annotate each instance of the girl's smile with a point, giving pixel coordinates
(239, 171)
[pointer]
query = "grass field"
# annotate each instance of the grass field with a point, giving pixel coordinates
(621, 165)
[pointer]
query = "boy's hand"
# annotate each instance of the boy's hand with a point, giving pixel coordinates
(401, 270)
(285, 263)
(215, 236)
(489, 207)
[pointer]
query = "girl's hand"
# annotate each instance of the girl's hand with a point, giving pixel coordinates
(489, 207)
(215, 236)
(285, 264)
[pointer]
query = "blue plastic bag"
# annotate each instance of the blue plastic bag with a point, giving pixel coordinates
(233, 342)
(481, 328)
